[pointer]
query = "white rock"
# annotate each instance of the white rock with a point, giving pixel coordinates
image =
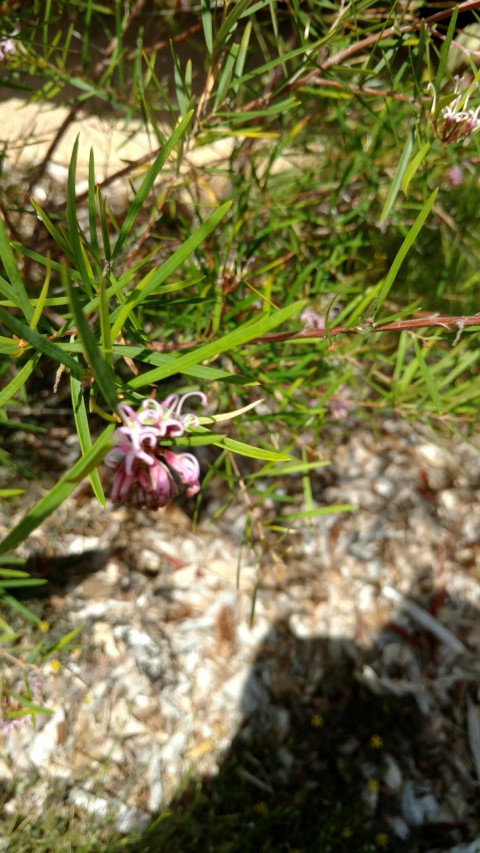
(44, 743)
(392, 775)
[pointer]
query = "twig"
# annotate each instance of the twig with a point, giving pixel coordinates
(434, 320)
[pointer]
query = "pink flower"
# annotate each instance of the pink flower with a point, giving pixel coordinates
(141, 477)
(187, 467)
(312, 320)
(7, 46)
(167, 416)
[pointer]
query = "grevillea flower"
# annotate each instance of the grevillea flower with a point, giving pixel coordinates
(458, 122)
(141, 477)
(7, 46)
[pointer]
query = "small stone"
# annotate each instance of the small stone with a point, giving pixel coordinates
(392, 775)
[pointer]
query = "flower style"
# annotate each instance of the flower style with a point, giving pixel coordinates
(458, 122)
(141, 477)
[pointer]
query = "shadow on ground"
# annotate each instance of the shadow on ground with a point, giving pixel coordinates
(329, 759)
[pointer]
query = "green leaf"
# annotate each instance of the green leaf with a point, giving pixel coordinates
(396, 183)
(239, 336)
(432, 389)
(442, 64)
(101, 370)
(42, 298)
(31, 706)
(414, 165)
(59, 238)
(230, 22)
(4, 584)
(206, 15)
(248, 450)
(405, 248)
(153, 280)
(19, 380)
(73, 226)
(147, 184)
(18, 293)
(323, 510)
(83, 432)
(206, 374)
(41, 343)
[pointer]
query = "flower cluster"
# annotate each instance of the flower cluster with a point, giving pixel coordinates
(143, 468)
(458, 121)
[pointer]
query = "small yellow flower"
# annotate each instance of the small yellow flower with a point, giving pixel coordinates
(317, 721)
(376, 742)
(55, 665)
(381, 840)
(261, 808)
(373, 785)
(347, 832)
(44, 626)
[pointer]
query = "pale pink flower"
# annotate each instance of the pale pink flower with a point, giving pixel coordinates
(457, 120)
(7, 46)
(141, 477)
(187, 467)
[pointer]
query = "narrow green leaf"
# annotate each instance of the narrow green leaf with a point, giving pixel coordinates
(83, 432)
(147, 183)
(206, 374)
(323, 510)
(73, 226)
(20, 608)
(62, 643)
(32, 706)
(59, 238)
(13, 573)
(242, 54)
(230, 22)
(42, 298)
(206, 15)
(405, 248)
(92, 222)
(396, 183)
(442, 64)
(19, 295)
(432, 389)
(227, 416)
(248, 450)
(414, 165)
(101, 370)
(58, 493)
(105, 323)
(225, 77)
(242, 335)
(41, 343)
(18, 381)
(154, 279)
